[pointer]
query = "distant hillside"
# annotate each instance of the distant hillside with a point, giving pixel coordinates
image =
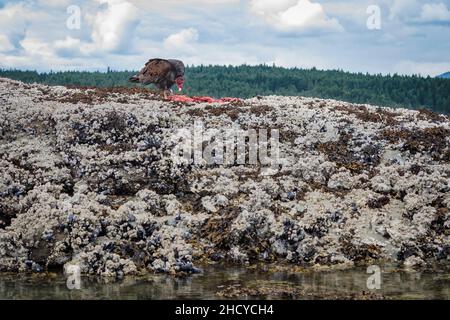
(412, 92)
(445, 75)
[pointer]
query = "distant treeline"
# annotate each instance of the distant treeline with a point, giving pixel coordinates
(247, 81)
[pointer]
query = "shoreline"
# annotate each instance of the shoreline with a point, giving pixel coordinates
(225, 283)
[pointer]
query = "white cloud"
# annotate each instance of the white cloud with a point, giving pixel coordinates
(346, 10)
(182, 41)
(112, 30)
(67, 43)
(157, 4)
(36, 47)
(435, 12)
(268, 7)
(295, 15)
(5, 44)
(403, 9)
(113, 27)
(13, 25)
(123, 34)
(27, 40)
(55, 3)
(69, 47)
(415, 11)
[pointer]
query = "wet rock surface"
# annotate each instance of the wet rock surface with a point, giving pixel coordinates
(88, 177)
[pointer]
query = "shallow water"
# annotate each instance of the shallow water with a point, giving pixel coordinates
(273, 285)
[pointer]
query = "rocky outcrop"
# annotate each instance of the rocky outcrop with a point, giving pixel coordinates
(89, 177)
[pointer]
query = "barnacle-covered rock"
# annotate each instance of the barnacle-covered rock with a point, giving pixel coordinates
(94, 178)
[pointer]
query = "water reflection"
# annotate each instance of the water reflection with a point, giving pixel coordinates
(332, 284)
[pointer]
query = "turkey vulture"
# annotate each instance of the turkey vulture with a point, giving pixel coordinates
(163, 73)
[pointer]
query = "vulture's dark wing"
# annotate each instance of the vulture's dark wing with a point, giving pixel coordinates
(154, 71)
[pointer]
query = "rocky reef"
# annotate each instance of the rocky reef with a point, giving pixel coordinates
(89, 177)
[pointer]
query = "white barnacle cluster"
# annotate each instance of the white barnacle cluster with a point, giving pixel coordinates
(90, 179)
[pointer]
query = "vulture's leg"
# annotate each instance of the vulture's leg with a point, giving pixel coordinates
(166, 94)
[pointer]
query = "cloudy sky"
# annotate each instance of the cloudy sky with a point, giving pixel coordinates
(376, 36)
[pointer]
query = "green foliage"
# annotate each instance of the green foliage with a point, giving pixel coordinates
(248, 81)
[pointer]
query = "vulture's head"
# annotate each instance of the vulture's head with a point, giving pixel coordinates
(180, 83)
